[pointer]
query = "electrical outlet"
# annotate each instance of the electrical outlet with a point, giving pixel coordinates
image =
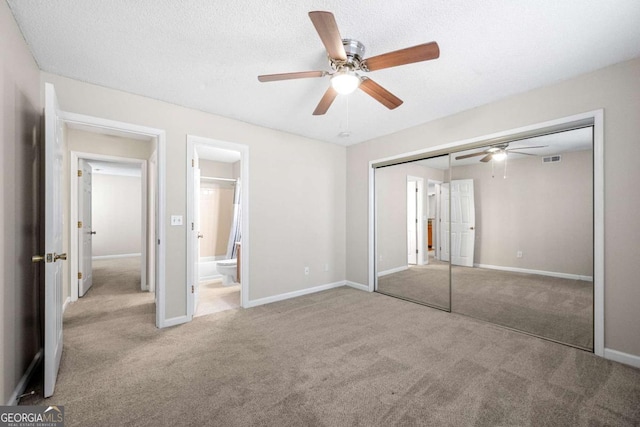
(519, 254)
(306, 271)
(176, 219)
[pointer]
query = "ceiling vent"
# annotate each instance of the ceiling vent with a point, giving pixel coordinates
(551, 159)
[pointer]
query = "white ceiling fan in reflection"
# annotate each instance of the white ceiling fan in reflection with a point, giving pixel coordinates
(499, 153)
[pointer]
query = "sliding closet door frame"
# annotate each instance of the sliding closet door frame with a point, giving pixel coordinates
(592, 118)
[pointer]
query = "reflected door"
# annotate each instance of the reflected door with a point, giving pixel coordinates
(444, 221)
(412, 222)
(463, 221)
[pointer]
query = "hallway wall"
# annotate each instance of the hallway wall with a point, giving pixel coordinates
(117, 215)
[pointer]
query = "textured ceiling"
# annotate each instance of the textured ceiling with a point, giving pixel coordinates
(207, 54)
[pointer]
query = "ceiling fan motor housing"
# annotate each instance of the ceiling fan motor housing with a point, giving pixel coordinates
(355, 54)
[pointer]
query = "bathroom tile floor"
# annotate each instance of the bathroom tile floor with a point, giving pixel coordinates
(214, 297)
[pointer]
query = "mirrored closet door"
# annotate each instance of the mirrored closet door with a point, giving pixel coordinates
(524, 218)
(412, 244)
(502, 233)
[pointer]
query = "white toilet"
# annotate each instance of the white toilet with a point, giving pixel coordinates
(228, 269)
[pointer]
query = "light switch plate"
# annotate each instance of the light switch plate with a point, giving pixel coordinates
(176, 219)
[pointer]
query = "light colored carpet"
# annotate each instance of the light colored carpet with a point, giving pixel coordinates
(342, 357)
(551, 307)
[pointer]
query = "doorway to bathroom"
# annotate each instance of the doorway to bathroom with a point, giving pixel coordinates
(217, 226)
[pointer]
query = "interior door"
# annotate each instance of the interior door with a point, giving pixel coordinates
(196, 231)
(463, 222)
(54, 133)
(444, 222)
(85, 236)
(412, 223)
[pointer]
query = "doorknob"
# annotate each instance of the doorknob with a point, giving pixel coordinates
(471, 228)
(59, 256)
(37, 258)
(200, 236)
(92, 232)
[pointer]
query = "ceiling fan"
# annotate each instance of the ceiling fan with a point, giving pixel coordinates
(346, 59)
(499, 152)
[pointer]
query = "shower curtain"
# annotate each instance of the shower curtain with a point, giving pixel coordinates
(235, 235)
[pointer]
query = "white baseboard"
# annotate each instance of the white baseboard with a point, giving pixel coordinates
(115, 256)
(393, 270)
(66, 304)
(539, 272)
(294, 294)
(174, 321)
(22, 384)
(357, 286)
(618, 356)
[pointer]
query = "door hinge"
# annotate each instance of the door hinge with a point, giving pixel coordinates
(193, 163)
(193, 289)
(79, 275)
(79, 172)
(416, 251)
(79, 224)
(191, 226)
(158, 241)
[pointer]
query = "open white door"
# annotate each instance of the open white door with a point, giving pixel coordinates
(85, 235)
(412, 222)
(196, 231)
(463, 222)
(444, 222)
(54, 129)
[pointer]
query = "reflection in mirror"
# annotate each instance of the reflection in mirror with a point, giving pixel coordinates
(522, 235)
(411, 246)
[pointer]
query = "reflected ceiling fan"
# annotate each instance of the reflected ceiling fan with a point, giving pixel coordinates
(346, 59)
(499, 152)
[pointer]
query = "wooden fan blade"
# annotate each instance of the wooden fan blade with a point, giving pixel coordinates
(422, 52)
(327, 29)
(325, 102)
(289, 76)
(487, 158)
(379, 93)
(466, 156)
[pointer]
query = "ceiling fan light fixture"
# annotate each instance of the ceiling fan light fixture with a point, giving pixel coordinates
(499, 156)
(345, 82)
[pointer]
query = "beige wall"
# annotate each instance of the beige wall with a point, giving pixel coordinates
(544, 210)
(296, 200)
(615, 89)
(20, 223)
(216, 207)
(116, 203)
(216, 218)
